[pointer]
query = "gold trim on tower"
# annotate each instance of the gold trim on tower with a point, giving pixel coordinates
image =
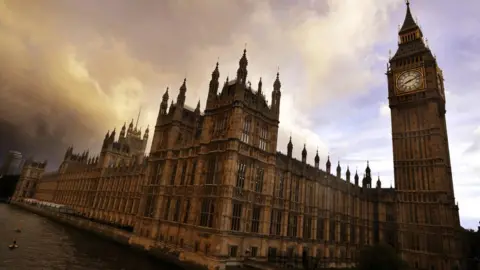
(410, 81)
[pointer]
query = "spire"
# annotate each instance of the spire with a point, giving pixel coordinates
(290, 147)
(165, 95)
(216, 72)
(409, 23)
(138, 117)
(145, 135)
(339, 170)
(130, 127)
(197, 109)
(348, 173)
(304, 153)
(277, 84)
(181, 94)
(356, 178)
(367, 170)
(260, 86)
(183, 87)
(242, 68)
(213, 88)
(317, 159)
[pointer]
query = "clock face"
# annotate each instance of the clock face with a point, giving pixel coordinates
(409, 81)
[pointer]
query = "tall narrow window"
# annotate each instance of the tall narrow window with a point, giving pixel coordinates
(212, 171)
(247, 123)
(176, 214)
(320, 228)
(236, 216)
(184, 172)
(167, 210)
(259, 180)
(256, 219)
(206, 213)
(242, 168)
(276, 222)
(263, 143)
(187, 210)
(297, 191)
(192, 174)
(279, 185)
(333, 231)
(174, 173)
(307, 227)
(292, 226)
(158, 175)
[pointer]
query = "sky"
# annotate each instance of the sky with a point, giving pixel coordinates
(71, 70)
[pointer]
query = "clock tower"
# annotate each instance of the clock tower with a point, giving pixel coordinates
(427, 214)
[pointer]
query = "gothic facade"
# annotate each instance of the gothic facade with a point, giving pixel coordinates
(214, 187)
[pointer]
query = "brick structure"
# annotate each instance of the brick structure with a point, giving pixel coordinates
(214, 187)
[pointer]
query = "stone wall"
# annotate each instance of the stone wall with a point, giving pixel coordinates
(163, 253)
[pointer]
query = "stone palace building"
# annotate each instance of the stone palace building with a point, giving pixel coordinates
(215, 188)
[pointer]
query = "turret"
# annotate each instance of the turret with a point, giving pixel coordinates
(145, 135)
(317, 161)
(130, 127)
(242, 69)
(197, 109)
(276, 95)
(290, 148)
(112, 136)
(379, 183)
(122, 132)
(347, 174)
(182, 94)
(328, 165)
(304, 154)
(356, 178)
(213, 87)
(163, 107)
(259, 90)
(339, 170)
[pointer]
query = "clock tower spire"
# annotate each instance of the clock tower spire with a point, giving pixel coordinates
(423, 176)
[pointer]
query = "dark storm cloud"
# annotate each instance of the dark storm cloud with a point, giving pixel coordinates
(70, 70)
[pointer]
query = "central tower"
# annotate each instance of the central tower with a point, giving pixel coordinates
(427, 214)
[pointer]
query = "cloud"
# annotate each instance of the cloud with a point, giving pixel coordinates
(72, 78)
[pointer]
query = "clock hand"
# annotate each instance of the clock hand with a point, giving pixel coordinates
(417, 77)
(409, 80)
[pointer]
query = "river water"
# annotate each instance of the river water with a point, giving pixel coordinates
(44, 244)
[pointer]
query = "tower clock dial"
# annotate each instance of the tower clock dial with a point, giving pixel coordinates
(409, 81)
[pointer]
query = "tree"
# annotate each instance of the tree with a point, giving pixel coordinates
(380, 257)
